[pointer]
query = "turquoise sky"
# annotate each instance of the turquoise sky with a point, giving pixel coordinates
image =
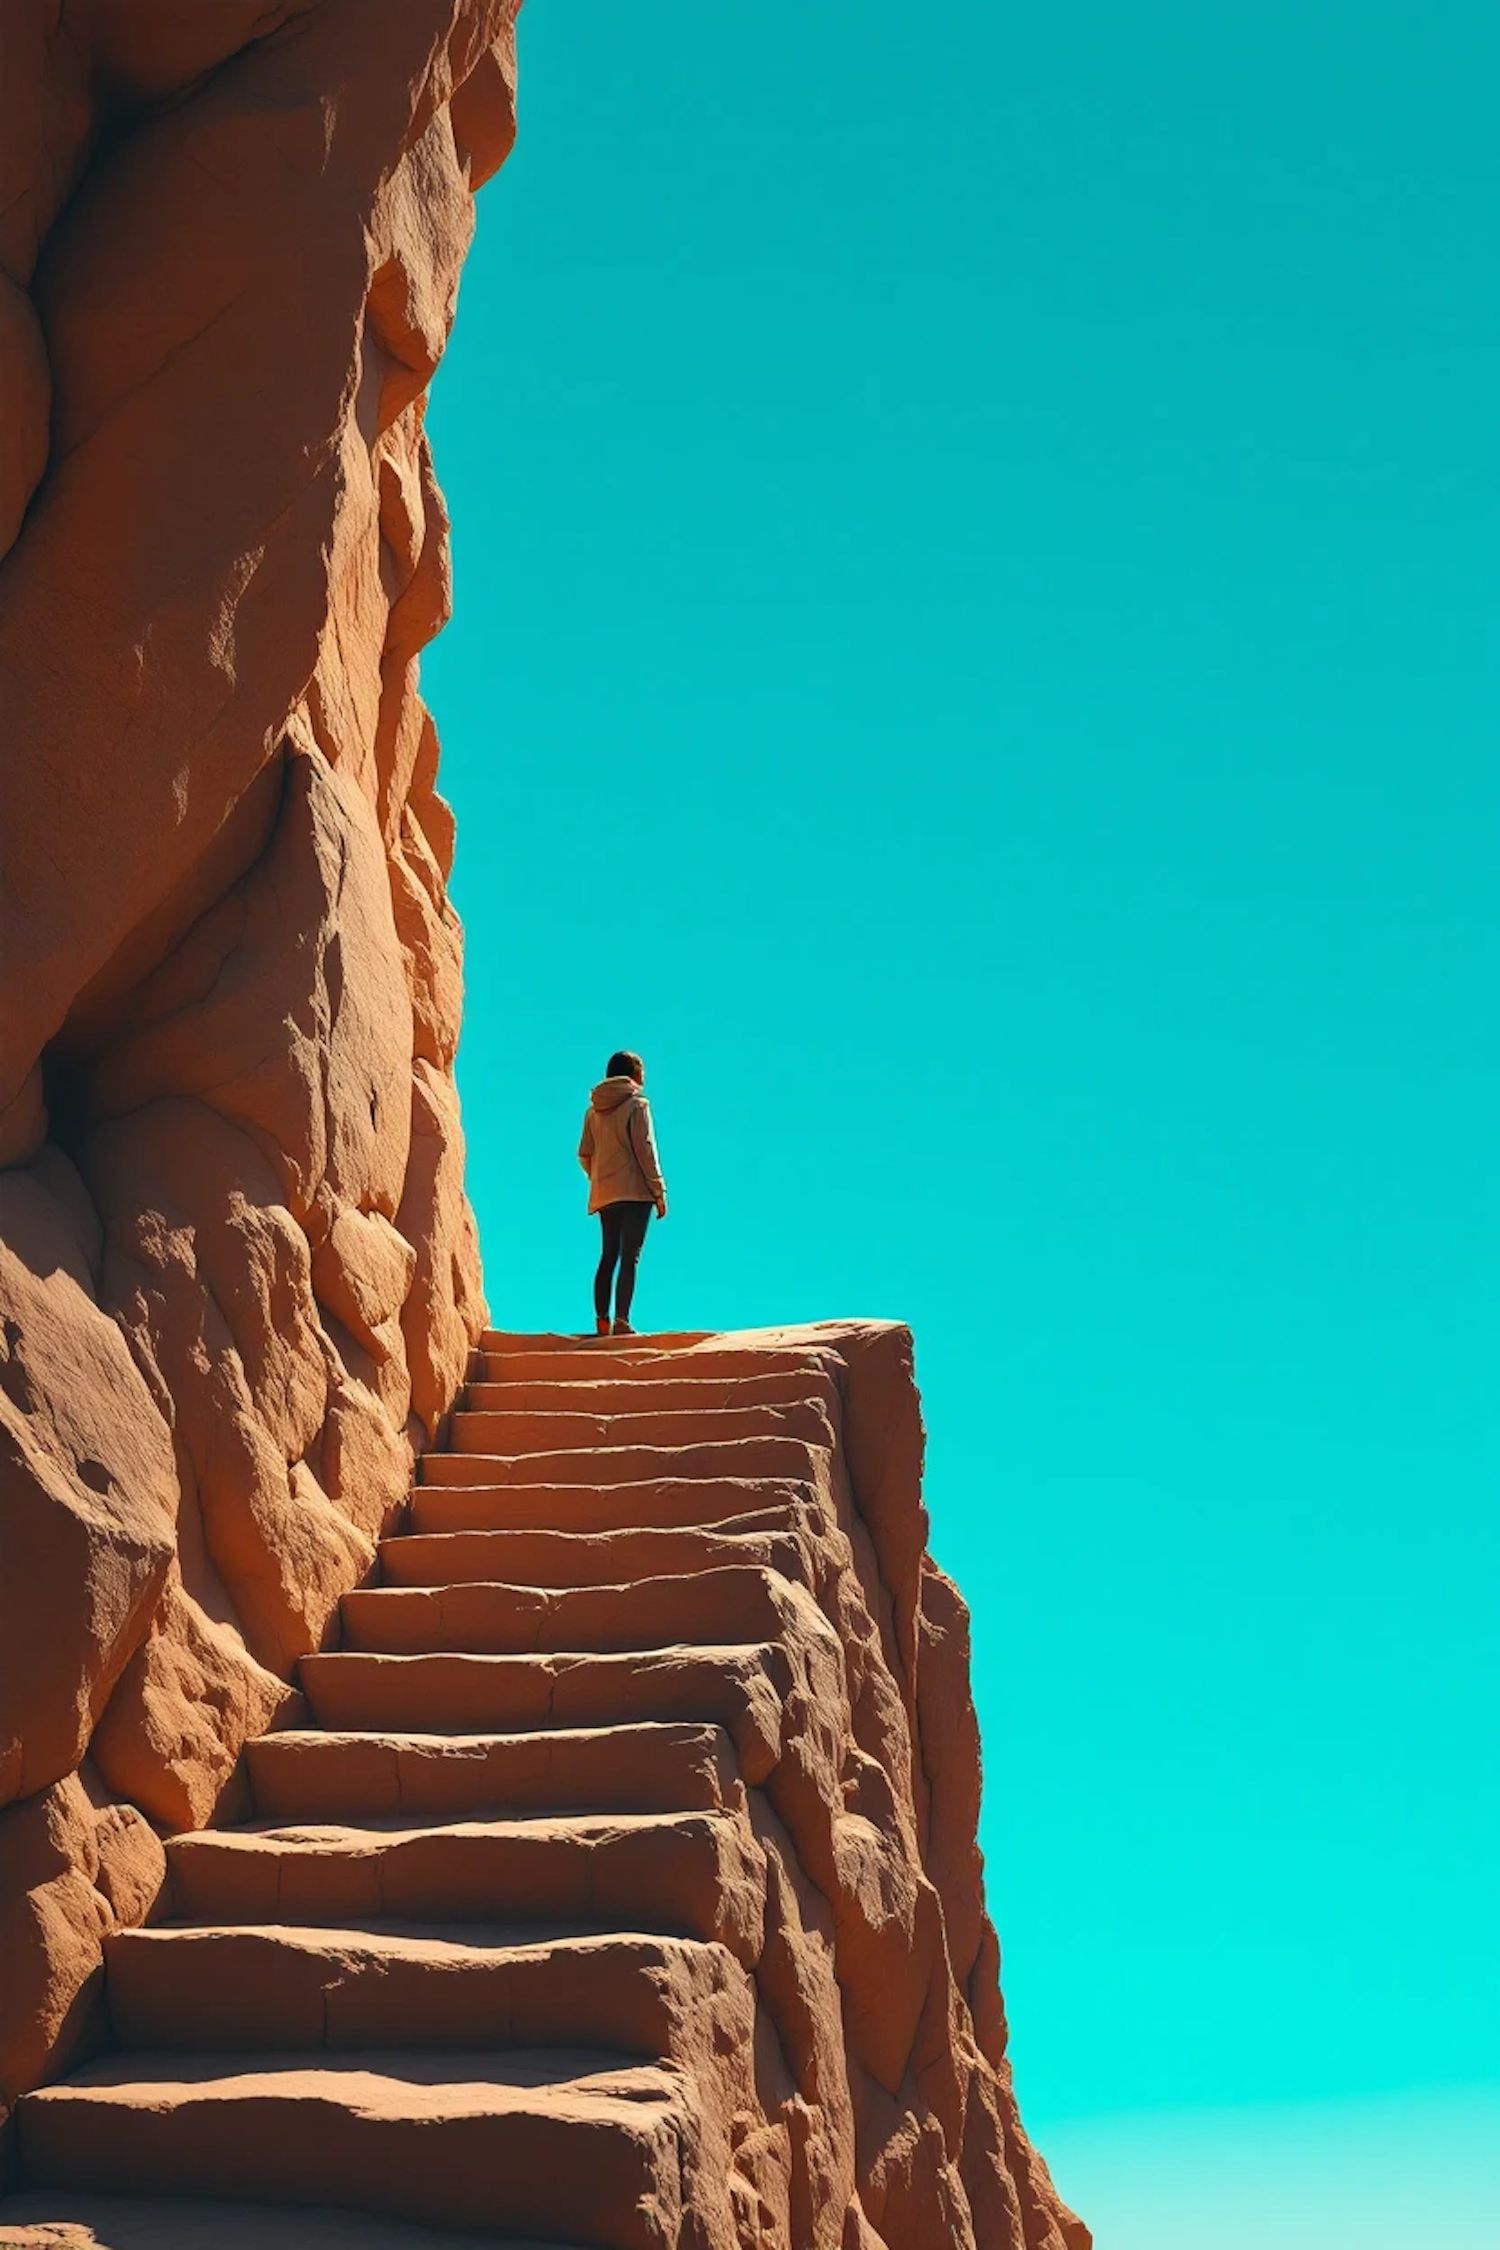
(975, 651)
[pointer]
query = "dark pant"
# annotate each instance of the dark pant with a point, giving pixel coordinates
(624, 1227)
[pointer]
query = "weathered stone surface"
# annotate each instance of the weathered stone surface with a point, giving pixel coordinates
(88, 1495)
(73, 1867)
(52, 1925)
(230, 241)
(662, 1884)
(577, 1837)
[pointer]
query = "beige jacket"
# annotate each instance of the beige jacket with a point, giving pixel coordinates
(618, 1148)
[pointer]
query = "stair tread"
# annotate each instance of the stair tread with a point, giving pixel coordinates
(741, 1686)
(608, 1467)
(394, 1866)
(712, 1417)
(566, 1560)
(630, 1368)
(619, 1763)
(566, 1339)
(699, 1872)
(476, 1503)
(170, 2222)
(700, 1352)
(299, 1740)
(357, 1983)
(553, 1597)
(438, 1942)
(421, 2080)
(348, 1834)
(644, 1389)
(538, 1659)
(578, 2141)
(339, 1670)
(525, 1430)
(416, 2081)
(736, 1602)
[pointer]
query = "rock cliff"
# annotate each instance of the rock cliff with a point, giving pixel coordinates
(239, 1300)
(238, 1276)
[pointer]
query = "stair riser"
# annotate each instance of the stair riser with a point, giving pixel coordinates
(698, 1877)
(757, 1457)
(639, 1769)
(731, 1605)
(615, 2183)
(647, 1394)
(561, 1559)
(661, 1504)
(514, 1434)
(637, 1363)
(740, 1691)
(252, 1990)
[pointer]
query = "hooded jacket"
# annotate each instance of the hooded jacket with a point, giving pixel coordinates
(618, 1148)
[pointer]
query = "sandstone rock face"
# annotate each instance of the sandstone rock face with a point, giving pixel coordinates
(238, 1277)
(621, 1886)
(555, 1818)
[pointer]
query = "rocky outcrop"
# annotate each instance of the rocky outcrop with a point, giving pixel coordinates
(238, 1276)
(624, 1864)
(557, 1816)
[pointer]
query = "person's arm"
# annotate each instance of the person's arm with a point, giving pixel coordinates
(586, 1145)
(643, 1142)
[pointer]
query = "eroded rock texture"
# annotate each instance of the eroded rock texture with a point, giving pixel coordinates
(578, 1840)
(620, 1886)
(238, 1277)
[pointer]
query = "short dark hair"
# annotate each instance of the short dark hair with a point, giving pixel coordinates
(623, 1064)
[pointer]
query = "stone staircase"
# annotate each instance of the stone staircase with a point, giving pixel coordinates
(482, 1957)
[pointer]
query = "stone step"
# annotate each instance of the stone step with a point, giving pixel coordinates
(731, 1605)
(646, 1392)
(600, 1558)
(654, 1504)
(531, 1344)
(86, 2221)
(587, 1359)
(248, 1987)
(549, 2142)
(740, 1689)
(656, 1767)
(694, 1874)
(632, 1464)
(563, 1359)
(523, 1431)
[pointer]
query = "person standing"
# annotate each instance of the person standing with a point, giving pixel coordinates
(618, 1152)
